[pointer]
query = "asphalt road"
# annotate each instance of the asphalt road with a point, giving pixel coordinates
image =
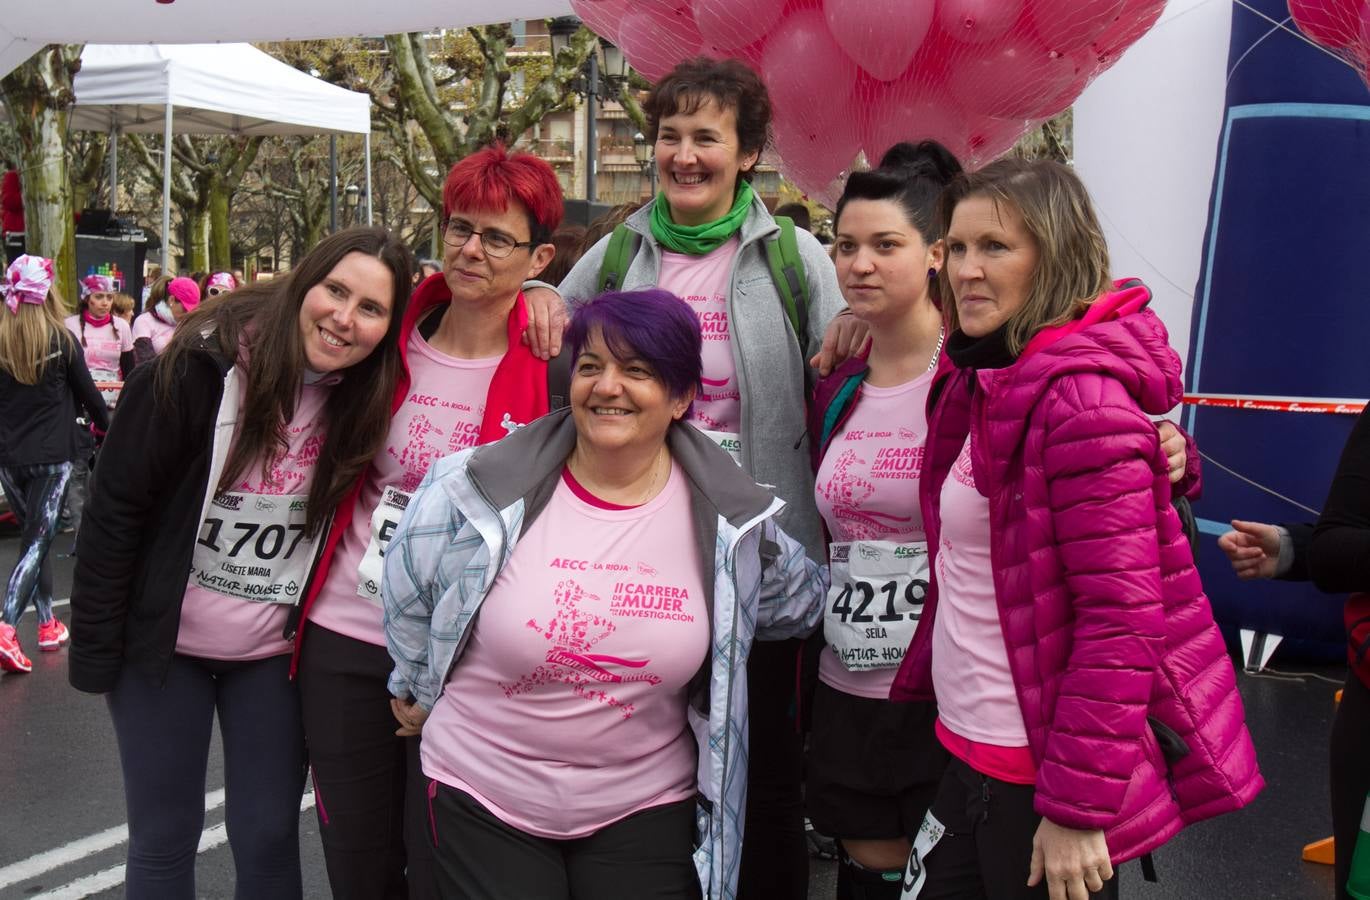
(62, 812)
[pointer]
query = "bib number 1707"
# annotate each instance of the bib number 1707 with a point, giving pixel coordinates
(270, 540)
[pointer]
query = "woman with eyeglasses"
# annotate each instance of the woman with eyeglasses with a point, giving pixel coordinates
(467, 379)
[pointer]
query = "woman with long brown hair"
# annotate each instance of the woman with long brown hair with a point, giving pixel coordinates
(43, 379)
(230, 456)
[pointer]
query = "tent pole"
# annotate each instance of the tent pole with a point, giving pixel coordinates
(167, 267)
(114, 168)
(367, 144)
(332, 183)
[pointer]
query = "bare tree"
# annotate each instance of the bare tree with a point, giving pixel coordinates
(207, 173)
(38, 97)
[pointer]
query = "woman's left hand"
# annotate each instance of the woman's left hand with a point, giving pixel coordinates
(546, 322)
(1075, 863)
(1173, 445)
(410, 715)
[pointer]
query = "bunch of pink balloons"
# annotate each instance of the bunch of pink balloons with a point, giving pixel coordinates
(852, 77)
(1342, 26)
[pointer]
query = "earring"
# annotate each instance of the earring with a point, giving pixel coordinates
(932, 273)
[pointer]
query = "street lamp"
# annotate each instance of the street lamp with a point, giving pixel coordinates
(600, 80)
(642, 152)
(351, 197)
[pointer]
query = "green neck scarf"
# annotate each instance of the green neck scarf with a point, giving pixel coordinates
(697, 240)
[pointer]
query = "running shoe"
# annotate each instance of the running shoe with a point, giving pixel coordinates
(52, 635)
(12, 658)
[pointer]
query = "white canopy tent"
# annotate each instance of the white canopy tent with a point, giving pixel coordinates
(208, 89)
(26, 27)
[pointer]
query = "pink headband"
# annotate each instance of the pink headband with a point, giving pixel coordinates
(27, 281)
(96, 284)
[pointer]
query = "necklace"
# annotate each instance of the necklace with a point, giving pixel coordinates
(937, 351)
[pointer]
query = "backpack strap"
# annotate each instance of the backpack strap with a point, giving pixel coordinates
(617, 257)
(559, 380)
(787, 271)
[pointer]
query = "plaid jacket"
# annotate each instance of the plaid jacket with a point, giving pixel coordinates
(463, 525)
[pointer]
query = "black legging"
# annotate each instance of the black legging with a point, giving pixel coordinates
(1350, 758)
(35, 494)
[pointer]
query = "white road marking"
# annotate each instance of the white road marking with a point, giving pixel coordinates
(105, 879)
(36, 865)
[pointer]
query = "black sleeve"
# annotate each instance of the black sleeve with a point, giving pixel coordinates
(127, 360)
(1300, 536)
(1339, 553)
(144, 456)
(83, 387)
(143, 353)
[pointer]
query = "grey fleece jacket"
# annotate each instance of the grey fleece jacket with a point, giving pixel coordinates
(770, 365)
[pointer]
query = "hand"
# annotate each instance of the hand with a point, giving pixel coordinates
(410, 715)
(1075, 863)
(1173, 445)
(546, 322)
(846, 337)
(1253, 548)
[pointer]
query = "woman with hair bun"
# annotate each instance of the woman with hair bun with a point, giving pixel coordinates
(873, 765)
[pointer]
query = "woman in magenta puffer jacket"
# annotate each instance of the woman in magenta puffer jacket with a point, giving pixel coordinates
(1083, 689)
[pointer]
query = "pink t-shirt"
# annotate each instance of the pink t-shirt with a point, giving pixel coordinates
(567, 711)
(219, 623)
(150, 326)
(703, 282)
(103, 344)
(441, 415)
(976, 698)
(867, 489)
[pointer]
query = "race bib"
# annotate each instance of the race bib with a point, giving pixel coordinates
(915, 874)
(385, 518)
(106, 377)
(728, 441)
(875, 601)
(253, 547)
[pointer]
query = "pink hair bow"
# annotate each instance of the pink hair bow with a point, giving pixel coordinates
(27, 281)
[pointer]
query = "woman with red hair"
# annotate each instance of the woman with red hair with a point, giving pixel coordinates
(467, 380)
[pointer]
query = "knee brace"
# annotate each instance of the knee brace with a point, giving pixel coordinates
(856, 882)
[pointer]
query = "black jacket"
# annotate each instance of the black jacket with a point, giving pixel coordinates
(138, 536)
(38, 422)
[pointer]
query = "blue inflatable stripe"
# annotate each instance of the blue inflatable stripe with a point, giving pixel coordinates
(1209, 526)
(1234, 114)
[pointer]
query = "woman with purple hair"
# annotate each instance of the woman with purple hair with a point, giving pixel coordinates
(570, 612)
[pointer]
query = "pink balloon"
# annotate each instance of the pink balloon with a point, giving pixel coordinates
(803, 65)
(656, 36)
(903, 115)
(815, 151)
(601, 16)
(881, 35)
(1066, 25)
(1006, 80)
(978, 21)
(1332, 23)
(1135, 20)
(729, 24)
(991, 140)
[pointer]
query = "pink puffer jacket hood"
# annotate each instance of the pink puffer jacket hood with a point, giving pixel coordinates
(1129, 698)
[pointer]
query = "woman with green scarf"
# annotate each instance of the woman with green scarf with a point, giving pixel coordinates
(704, 239)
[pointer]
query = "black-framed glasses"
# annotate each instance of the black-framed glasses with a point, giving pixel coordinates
(456, 233)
